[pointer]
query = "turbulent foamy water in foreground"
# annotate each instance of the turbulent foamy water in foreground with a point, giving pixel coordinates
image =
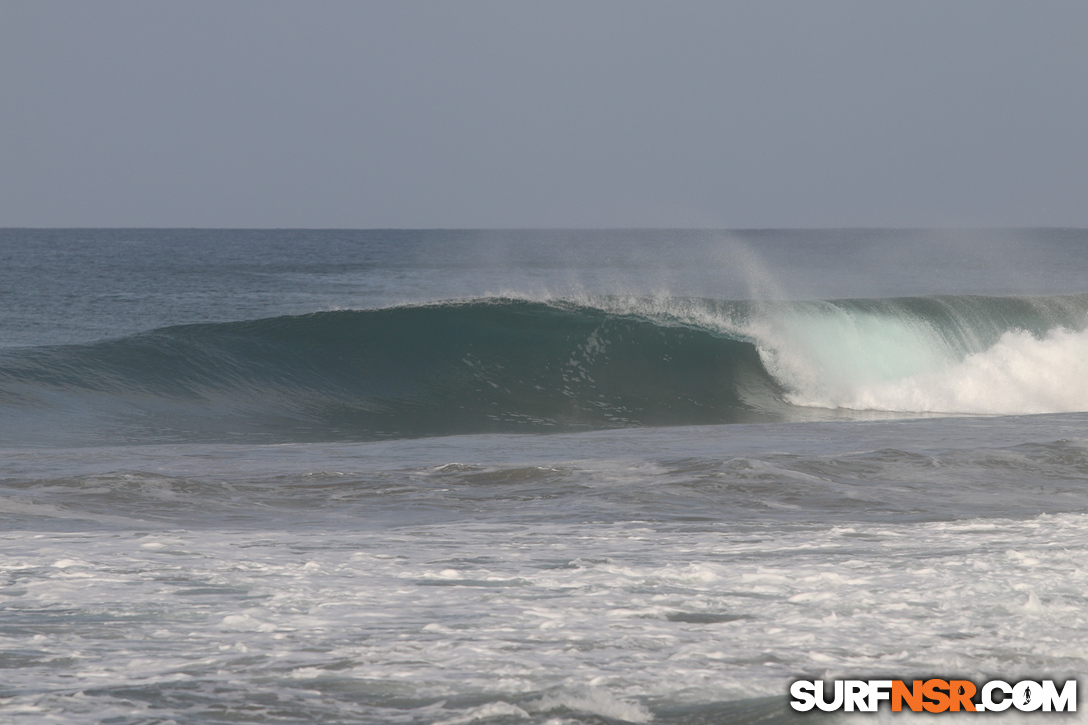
(620, 621)
(340, 477)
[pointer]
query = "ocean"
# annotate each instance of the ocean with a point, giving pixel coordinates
(518, 477)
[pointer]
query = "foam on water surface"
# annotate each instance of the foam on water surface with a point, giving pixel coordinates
(515, 365)
(830, 357)
(470, 622)
(453, 477)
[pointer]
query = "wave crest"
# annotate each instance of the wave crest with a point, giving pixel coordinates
(505, 365)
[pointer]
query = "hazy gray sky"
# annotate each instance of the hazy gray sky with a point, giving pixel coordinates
(257, 113)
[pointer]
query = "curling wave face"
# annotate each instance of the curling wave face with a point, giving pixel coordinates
(505, 365)
(966, 355)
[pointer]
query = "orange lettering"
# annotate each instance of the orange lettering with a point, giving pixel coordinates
(912, 696)
(961, 692)
(932, 691)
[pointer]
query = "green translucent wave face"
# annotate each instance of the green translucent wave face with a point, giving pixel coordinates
(498, 365)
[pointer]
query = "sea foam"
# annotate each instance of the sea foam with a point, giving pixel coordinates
(829, 357)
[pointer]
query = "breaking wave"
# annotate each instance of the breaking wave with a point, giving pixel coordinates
(508, 365)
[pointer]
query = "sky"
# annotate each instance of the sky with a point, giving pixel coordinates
(584, 114)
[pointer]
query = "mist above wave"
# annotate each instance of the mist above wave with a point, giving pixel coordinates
(506, 365)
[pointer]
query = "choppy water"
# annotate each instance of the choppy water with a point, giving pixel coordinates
(529, 477)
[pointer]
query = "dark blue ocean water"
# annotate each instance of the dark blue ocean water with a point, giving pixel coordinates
(533, 476)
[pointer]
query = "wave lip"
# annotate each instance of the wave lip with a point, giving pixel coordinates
(508, 365)
(960, 355)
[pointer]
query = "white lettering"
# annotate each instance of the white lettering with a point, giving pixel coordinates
(879, 690)
(1027, 696)
(857, 695)
(804, 695)
(994, 696)
(834, 704)
(1066, 701)
(987, 696)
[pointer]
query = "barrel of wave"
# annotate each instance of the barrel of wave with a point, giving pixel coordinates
(891, 358)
